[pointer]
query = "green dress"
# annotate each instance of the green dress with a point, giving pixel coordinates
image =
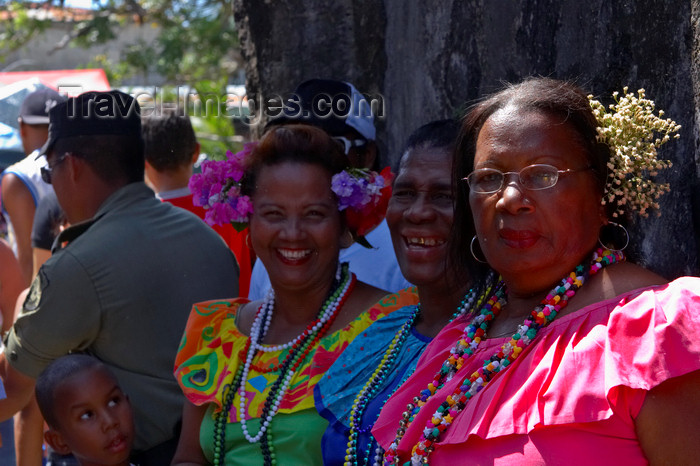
(211, 352)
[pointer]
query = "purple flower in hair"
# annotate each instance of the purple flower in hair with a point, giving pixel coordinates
(356, 188)
(365, 194)
(219, 214)
(348, 188)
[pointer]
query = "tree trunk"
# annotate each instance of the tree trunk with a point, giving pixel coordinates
(429, 60)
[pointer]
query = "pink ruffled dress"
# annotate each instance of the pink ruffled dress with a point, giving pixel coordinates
(573, 394)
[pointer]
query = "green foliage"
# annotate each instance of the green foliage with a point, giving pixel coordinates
(116, 72)
(196, 46)
(210, 120)
(18, 28)
(96, 30)
(196, 41)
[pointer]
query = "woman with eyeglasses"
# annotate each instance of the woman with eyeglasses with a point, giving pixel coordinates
(579, 356)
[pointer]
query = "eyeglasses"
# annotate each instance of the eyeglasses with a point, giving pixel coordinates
(533, 177)
(47, 171)
(348, 144)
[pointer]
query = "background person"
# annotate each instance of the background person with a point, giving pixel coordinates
(615, 369)
(248, 369)
(88, 414)
(355, 132)
(171, 150)
(22, 186)
(22, 190)
(11, 286)
(122, 277)
(49, 221)
(353, 391)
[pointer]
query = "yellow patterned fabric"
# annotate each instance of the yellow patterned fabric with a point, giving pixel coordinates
(212, 349)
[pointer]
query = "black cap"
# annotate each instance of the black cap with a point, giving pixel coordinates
(35, 107)
(94, 113)
(334, 106)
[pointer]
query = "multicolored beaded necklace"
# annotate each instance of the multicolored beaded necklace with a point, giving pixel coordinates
(473, 334)
(301, 346)
(377, 380)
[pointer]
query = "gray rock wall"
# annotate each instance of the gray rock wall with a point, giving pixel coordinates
(429, 59)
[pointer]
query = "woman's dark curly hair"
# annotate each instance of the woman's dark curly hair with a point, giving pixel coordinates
(293, 143)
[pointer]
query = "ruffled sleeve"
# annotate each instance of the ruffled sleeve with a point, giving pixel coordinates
(203, 365)
(654, 337)
(592, 365)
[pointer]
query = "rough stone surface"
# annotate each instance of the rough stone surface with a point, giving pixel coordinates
(430, 60)
(287, 42)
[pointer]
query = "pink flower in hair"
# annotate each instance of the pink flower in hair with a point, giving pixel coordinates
(218, 189)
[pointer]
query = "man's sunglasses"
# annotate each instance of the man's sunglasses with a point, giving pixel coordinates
(47, 171)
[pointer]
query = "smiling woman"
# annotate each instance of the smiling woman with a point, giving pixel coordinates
(296, 228)
(248, 369)
(420, 216)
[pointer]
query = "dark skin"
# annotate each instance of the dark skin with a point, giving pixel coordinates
(420, 216)
(73, 177)
(533, 238)
(293, 316)
(668, 423)
(294, 210)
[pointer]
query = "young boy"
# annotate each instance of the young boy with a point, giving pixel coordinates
(87, 413)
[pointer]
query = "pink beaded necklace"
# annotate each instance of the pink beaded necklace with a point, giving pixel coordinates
(473, 334)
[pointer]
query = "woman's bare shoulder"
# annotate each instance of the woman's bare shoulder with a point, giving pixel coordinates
(625, 277)
(613, 281)
(369, 293)
(246, 315)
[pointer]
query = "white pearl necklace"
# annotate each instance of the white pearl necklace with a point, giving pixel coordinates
(266, 310)
(258, 331)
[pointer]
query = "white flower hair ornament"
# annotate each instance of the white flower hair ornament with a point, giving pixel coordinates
(634, 133)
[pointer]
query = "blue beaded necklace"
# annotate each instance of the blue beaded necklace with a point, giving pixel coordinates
(377, 380)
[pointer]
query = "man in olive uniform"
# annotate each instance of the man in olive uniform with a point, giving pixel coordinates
(123, 276)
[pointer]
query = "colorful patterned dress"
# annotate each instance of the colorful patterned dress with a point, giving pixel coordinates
(336, 392)
(211, 352)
